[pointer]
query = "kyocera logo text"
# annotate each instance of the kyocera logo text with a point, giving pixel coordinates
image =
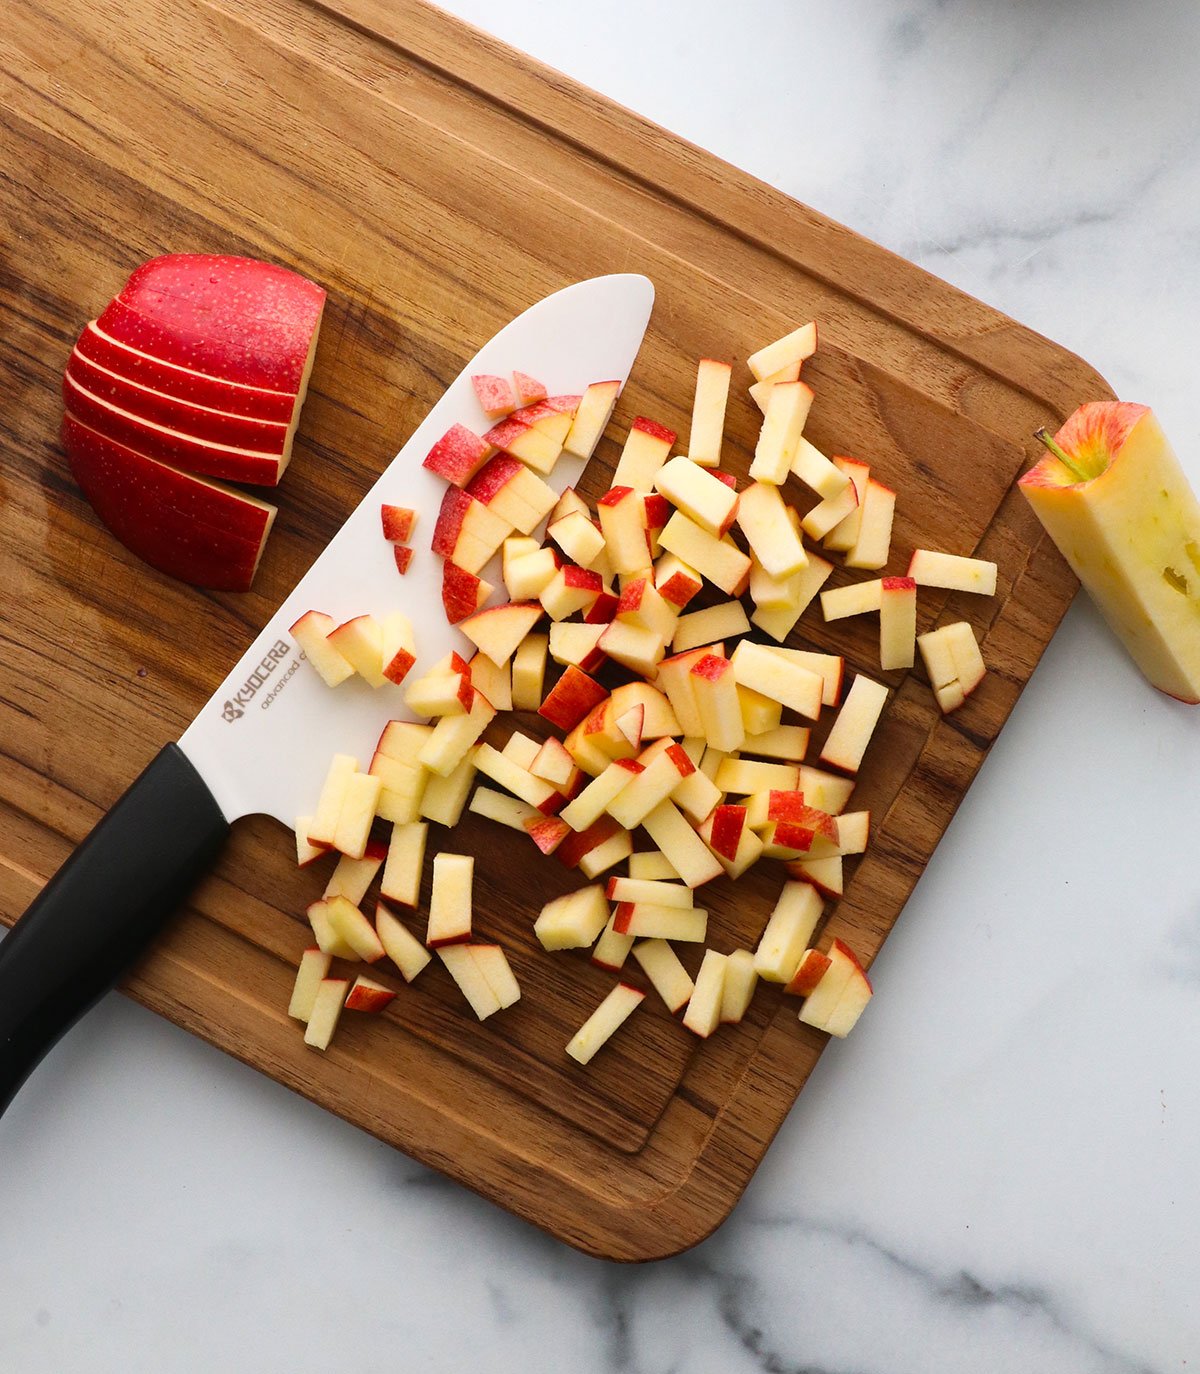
(235, 707)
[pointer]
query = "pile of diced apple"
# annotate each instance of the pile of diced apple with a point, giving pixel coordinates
(196, 371)
(674, 742)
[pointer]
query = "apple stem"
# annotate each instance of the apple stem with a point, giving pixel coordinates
(1044, 436)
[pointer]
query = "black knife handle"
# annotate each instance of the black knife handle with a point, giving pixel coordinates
(102, 908)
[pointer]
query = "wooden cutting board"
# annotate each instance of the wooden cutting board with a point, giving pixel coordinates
(437, 183)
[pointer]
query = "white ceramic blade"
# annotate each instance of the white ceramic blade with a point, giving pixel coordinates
(264, 739)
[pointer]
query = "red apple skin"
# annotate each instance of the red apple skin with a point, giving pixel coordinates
(197, 531)
(398, 522)
(614, 496)
(793, 836)
(460, 592)
(785, 805)
(679, 590)
(232, 317)
(168, 445)
(652, 427)
(494, 394)
(712, 667)
(678, 756)
(848, 953)
(505, 433)
(728, 823)
(458, 455)
(493, 477)
(184, 385)
(404, 556)
(602, 611)
(622, 917)
(237, 431)
(810, 972)
(529, 390)
(728, 478)
(573, 696)
(368, 999)
(584, 579)
(548, 834)
(898, 584)
(576, 845)
(446, 528)
(564, 404)
(658, 511)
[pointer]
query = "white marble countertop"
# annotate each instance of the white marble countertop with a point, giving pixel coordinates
(998, 1170)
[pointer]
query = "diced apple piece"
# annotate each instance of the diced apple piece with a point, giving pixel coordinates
(499, 630)
(775, 542)
(508, 489)
(787, 742)
(493, 680)
(528, 388)
(517, 779)
(466, 531)
(440, 694)
(818, 472)
(666, 973)
(608, 1017)
(591, 418)
(725, 620)
(529, 673)
(741, 978)
(311, 633)
(611, 949)
(674, 676)
(622, 514)
(352, 877)
(874, 541)
(454, 735)
(708, 412)
(675, 581)
(856, 598)
(703, 1013)
(458, 455)
(715, 686)
(505, 810)
(809, 972)
(571, 698)
(553, 764)
(820, 1003)
(722, 830)
(495, 395)
(850, 1005)
(632, 724)
(968, 661)
(762, 670)
(358, 811)
(445, 796)
(399, 522)
(522, 749)
(570, 590)
(360, 643)
(719, 560)
(403, 556)
(841, 535)
(314, 967)
(645, 920)
(787, 411)
(306, 851)
(354, 929)
(326, 1012)
(685, 850)
(600, 858)
(578, 538)
(788, 932)
(658, 717)
(824, 874)
(637, 649)
(703, 499)
(954, 573)
(328, 940)
(793, 348)
(642, 606)
(535, 447)
(759, 713)
(574, 920)
(897, 623)
(401, 946)
(472, 981)
(760, 392)
(856, 721)
(493, 963)
(853, 832)
(599, 794)
(450, 905)
(398, 646)
(646, 448)
(644, 890)
(368, 995)
(333, 795)
(743, 776)
(650, 864)
(696, 795)
(401, 881)
(658, 779)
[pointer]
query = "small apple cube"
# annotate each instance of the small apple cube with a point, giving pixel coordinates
(352, 928)
(500, 629)
(403, 556)
(311, 633)
(526, 578)
(897, 622)
(450, 904)
(835, 519)
(328, 940)
(725, 620)
(695, 491)
(398, 646)
(637, 649)
(856, 721)
(587, 808)
(708, 412)
(818, 472)
(467, 531)
(326, 1012)
(401, 881)
(503, 809)
(314, 967)
(658, 717)
(703, 1013)
(719, 560)
(611, 950)
(360, 643)
(496, 396)
(787, 411)
(494, 680)
(660, 775)
(509, 490)
(570, 590)
(351, 877)
(821, 1002)
(802, 589)
(809, 972)
(674, 677)
(398, 523)
(649, 863)
(578, 538)
(792, 349)
(760, 392)
(529, 672)
(553, 764)
(569, 503)
(547, 832)
(763, 670)
(453, 736)
(470, 978)
(493, 963)
(458, 455)
(306, 851)
(601, 857)
(528, 388)
(786, 742)
(622, 514)
(445, 796)
(591, 418)
(368, 995)
(675, 582)
(850, 1004)
(577, 644)
(714, 683)
(684, 849)
(788, 932)
(824, 874)
(645, 920)
(641, 605)
(696, 795)
(571, 698)
(741, 978)
(857, 598)
(574, 920)
(646, 449)
(402, 947)
(517, 779)
(603, 1023)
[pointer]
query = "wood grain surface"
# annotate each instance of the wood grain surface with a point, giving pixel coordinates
(437, 183)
